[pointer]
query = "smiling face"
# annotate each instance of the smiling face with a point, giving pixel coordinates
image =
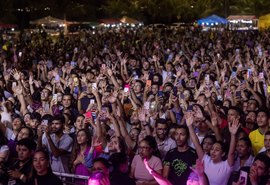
(40, 163)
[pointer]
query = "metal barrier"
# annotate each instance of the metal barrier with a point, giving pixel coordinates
(72, 179)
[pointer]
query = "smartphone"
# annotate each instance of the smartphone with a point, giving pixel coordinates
(217, 85)
(84, 88)
(127, 88)
(146, 105)
(182, 96)
(136, 77)
(57, 78)
(148, 83)
(88, 114)
(76, 81)
(196, 74)
(73, 64)
(92, 101)
(238, 94)
(175, 91)
(207, 79)
(94, 85)
(160, 93)
(14, 84)
(233, 74)
(55, 97)
(261, 75)
(190, 108)
(243, 177)
(203, 66)
(249, 72)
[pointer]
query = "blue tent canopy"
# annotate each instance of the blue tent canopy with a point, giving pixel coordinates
(212, 20)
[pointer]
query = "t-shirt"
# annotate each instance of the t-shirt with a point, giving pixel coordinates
(140, 172)
(59, 164)
(217, 173)
(166, 146)
(257, 141)
(179, 163)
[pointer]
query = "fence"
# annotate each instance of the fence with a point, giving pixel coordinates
(72, 179)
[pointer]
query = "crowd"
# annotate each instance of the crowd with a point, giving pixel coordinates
(136, 106)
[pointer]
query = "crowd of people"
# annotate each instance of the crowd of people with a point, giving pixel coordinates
(136, 106)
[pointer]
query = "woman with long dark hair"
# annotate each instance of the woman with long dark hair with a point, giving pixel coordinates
(42, 172)
(80, 150)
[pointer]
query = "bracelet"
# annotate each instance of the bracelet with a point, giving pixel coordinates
(22, 176)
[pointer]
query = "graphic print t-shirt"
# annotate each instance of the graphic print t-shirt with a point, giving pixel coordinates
(179, 163)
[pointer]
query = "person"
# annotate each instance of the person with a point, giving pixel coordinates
(217, 170)
(244, 153)
(20, 170)
(57, 143)
(196, 177)
(80, 150)
(267, 144)
(257, 173)
(164, 142)
(257, 136)
(147, 147)
(119, 174)
(42, 171)
(183, 156)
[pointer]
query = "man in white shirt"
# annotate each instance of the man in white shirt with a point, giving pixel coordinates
(164, 142)
(58, 144)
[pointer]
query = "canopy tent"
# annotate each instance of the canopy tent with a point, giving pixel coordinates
(129, 20)
(51, 21)
(264, 21)
(212, 20)
(243, 22)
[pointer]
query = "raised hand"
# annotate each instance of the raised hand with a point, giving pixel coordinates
(17, 90)
(113, 97)
(189, 118)
(233, 127)
(142, 115)
(214, 118)
(16, 74)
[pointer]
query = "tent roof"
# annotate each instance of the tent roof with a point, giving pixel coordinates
(245, 17)
(109, 21)
(51, 21)
(213, 19)
(129, 20)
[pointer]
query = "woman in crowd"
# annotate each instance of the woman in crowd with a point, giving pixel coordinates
(80, 150)
(217, 170)
(42, 172)
(147, 150)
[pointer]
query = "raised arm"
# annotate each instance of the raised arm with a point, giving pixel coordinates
(189, 121)
(233, 127)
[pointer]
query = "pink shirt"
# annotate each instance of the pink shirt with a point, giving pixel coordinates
(140, 172)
